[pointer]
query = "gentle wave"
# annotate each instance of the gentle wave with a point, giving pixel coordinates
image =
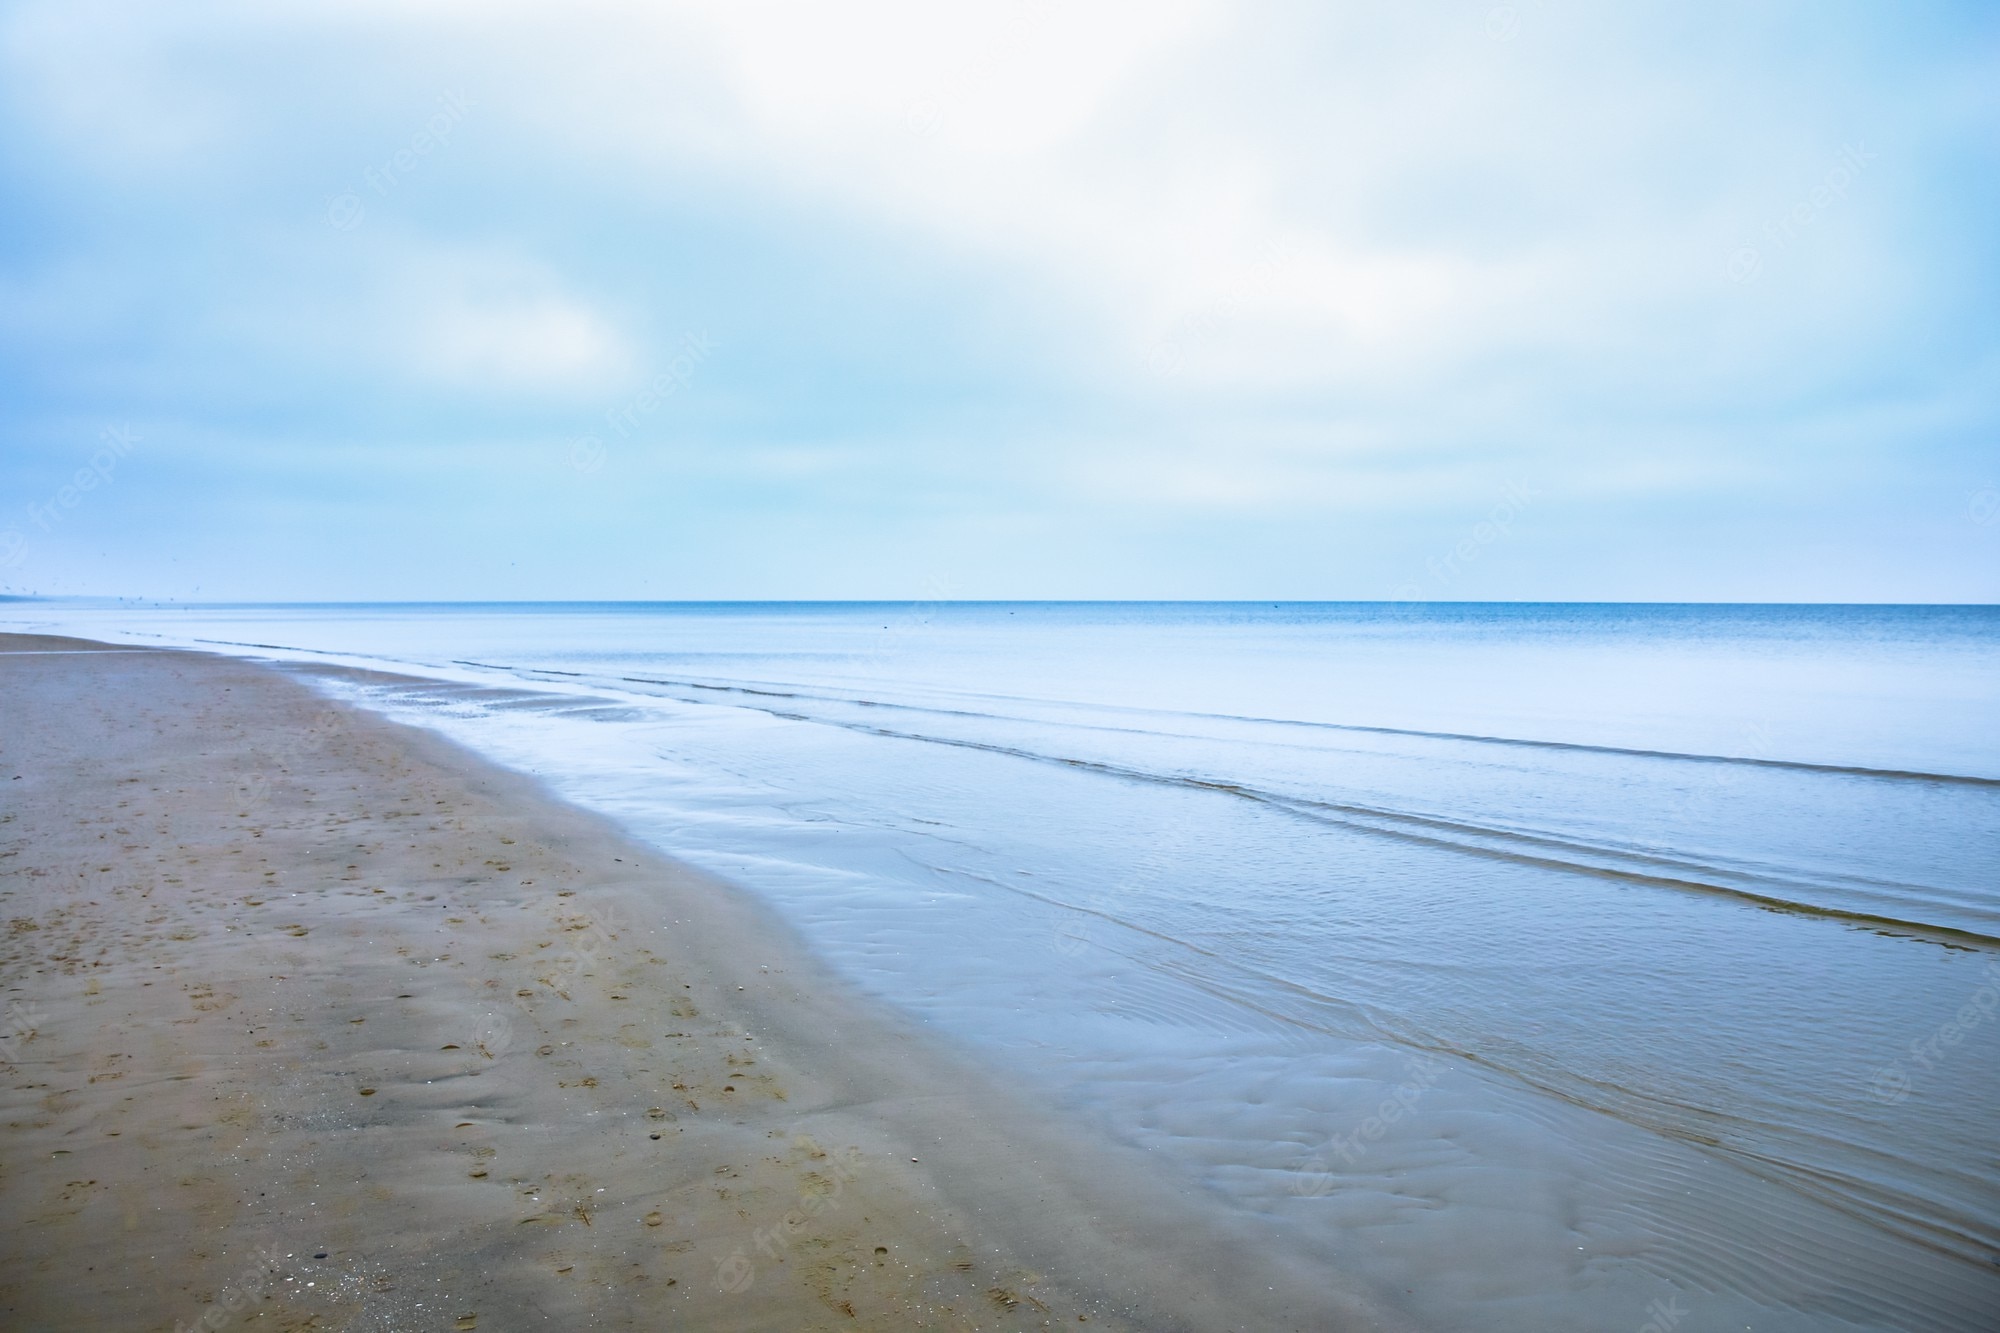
(1383, 822)
(1765, 1165)
(770, 690)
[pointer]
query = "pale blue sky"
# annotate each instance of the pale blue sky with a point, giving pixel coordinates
(450, 300)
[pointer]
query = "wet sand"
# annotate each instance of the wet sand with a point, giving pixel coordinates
(317, 1021)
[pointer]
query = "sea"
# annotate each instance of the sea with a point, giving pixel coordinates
(1549, 967)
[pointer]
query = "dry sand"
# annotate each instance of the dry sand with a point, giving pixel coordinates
(316, 1021)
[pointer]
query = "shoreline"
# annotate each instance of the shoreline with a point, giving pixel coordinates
(493, 1058)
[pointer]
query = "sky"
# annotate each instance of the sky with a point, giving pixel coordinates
(429, 299)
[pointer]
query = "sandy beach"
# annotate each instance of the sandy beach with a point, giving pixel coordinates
(316, 1021)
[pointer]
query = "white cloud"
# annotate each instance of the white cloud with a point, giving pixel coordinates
(1256, 198)
(390, 308)
(1433, 195)
(505, 337)
(1237, 259)
(110, 85)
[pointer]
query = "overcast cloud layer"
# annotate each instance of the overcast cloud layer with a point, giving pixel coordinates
(1669, 300)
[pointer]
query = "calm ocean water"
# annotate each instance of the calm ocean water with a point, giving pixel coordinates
(1558, 967)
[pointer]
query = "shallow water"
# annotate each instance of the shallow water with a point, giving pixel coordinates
(1556, 967)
